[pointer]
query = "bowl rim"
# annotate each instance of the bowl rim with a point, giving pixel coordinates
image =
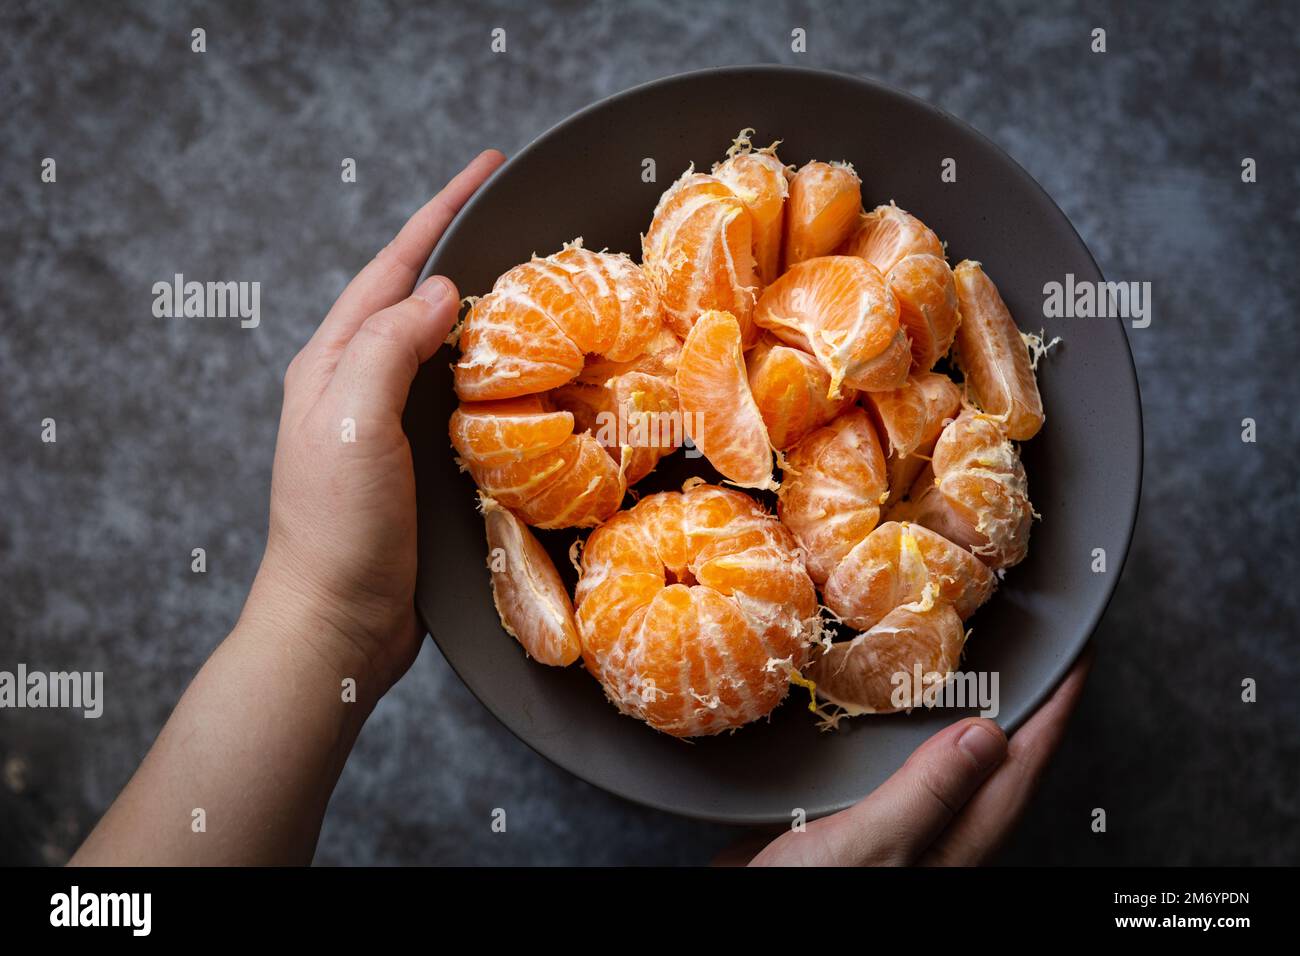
(886, 90)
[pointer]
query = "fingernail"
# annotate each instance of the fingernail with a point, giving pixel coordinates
(433, 290)
(982, 746)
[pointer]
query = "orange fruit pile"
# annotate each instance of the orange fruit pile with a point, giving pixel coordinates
(798, 342)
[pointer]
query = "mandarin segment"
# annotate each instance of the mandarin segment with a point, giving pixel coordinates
(928, 310)
(832, 490)
(699, 253)
(910, 420)
(512, 429)
(993, 356)
(575, 485)
(887, 234)
(886, 371)
(585, 493)
(604, 607)
(762, 182)
(790, 388)
(894, 565)
(839, 309)
(974, 492)
(511, 346)
(862, 675)
(684, 601)
(718, 408)
(529, 596)
(825, 204)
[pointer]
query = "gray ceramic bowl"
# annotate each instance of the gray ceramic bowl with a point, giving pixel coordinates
(584, 178)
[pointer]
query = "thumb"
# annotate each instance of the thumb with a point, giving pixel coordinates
(375, 371)
(900, 818)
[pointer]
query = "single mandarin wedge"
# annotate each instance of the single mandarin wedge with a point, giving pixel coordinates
(876, 672)
(824, 206)
(974, 492)
(900, 564)
(718, 409)
(634, 416)
(699, 253)
(621, 296)
(888, 370)
(575, 485)
(887, 235)
(762, 182)
(511, 429)
(511, 343)
(839, 309)
(790, 388)
(530, 597)
(927, 300)
(909, 420)
(693, 608)
(993, 356)
(832, 489)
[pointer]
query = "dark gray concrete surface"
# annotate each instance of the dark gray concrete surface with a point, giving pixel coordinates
(225, 165)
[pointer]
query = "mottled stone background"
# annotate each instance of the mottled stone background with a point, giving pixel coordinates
(226, 165)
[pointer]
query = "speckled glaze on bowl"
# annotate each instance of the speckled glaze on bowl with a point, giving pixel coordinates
(584, 178)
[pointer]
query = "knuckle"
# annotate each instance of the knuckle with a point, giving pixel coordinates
(937, 789)
(293, 371)
(384, 328)
(442, 207)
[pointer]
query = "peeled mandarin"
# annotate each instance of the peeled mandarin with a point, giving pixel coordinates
(824, 206)
(895, 564)
(762, 183)
(790, 388)
(529, 596)
(974, 492)
(832, 489)
(839, 309)
(692, 608)
(699, 253)
(993, 356)
(875, 673)
(719, 411)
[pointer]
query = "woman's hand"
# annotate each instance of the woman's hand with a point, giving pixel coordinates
(341, 550)
(952, 804)
(243, 769)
